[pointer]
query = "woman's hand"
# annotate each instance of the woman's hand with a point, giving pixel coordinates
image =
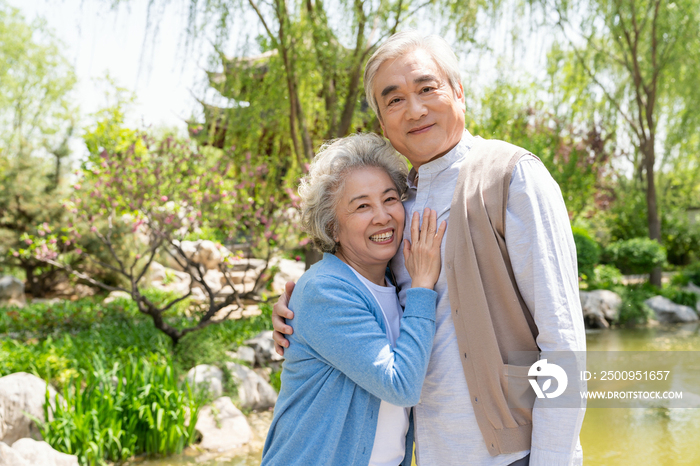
(422, 258)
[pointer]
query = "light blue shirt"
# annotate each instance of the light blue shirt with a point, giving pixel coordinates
(340, 364)
(537, 230)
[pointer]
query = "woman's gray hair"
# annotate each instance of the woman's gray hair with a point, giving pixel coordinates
(405, 42)
(320, 189)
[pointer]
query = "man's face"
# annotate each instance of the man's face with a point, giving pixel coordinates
(420, 113)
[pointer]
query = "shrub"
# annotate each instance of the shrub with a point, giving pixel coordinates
(633, 311)
(679, 296)
(605, 277)
(111, 414)
(636, 255)
(587, 253)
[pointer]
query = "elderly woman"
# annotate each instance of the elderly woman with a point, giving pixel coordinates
(357, 360)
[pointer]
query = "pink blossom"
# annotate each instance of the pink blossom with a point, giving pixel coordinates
(15, 253)
(52, 241)
(268, 234)
(42, 233)
(138, 256)
(93, 229)
(304, 242)
(164, 198)
(78, 251)
(28, 241)
(297, 258)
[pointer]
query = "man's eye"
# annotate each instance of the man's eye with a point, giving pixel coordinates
(427, 89)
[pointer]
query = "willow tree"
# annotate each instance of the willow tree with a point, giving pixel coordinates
(643, 58)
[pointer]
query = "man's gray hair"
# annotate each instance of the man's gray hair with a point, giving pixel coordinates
(405, 42)
(321, 189)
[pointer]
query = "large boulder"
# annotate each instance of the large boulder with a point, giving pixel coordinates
(253, 391)
(207, 377)
(21, 393)
(204, 252)
(600, 307)
(9, 457)
(12, 291)
(42, 453)
(289, 271)
(264, 347)
(669, 312)
(223, 426)
(243, 353)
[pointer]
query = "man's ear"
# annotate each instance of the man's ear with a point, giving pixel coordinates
(459, 95)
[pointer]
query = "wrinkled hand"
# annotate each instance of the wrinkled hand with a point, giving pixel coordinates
(422, 257)
(280, 312)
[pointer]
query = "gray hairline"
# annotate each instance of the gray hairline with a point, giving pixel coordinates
(319, 219)
(409, 41)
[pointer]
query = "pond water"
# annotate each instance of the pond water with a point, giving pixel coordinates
(643, 436)
(610, 436)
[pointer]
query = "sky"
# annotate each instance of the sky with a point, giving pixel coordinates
(154, 63)
(100, 40)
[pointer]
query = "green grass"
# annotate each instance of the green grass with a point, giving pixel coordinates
(111, 413)
(121, 379)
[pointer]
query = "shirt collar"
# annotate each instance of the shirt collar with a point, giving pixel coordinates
(457, 153)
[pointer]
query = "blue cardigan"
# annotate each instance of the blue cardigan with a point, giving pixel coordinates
(339, 365)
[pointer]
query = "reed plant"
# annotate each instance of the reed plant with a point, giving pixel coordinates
(111, 413)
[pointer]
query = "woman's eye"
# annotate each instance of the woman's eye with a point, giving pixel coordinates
(362, 206)
(391, 199)
(394, 101)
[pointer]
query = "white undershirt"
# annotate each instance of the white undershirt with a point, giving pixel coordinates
(392, 421)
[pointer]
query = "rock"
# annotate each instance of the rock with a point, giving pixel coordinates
(114, 295)
(223, 426)
(693, 288)
(42, 453)
(264, 347)
(244, 353)
(208, 377)
(9, 457)
(21, 393)
(156, 272)
(289, 271)
(253, 391)
(600, 307)
(204, 252)
(12, 291)
(669, 312)
(251, 265)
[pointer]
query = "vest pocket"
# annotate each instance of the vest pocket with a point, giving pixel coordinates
(518, 393)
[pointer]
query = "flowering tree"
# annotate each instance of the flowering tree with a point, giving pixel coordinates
(139, 198)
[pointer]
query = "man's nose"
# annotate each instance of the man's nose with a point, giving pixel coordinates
(416, 108)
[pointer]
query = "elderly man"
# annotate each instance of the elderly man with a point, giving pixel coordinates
(508, 280)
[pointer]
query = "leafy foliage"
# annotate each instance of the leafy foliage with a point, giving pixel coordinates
(587, 253)
(605, 277)
(633, 311)
(112, 413)
(637, 255)
(36, 122)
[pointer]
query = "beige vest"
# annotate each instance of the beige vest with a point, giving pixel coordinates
(490, 317)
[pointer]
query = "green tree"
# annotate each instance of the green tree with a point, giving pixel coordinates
(36, 123)
(642, 58)
(575, 150)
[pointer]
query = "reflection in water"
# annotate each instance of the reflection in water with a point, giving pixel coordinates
(644, 436)
(610, 437)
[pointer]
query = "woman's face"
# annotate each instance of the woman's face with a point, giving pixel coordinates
(370, 218)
